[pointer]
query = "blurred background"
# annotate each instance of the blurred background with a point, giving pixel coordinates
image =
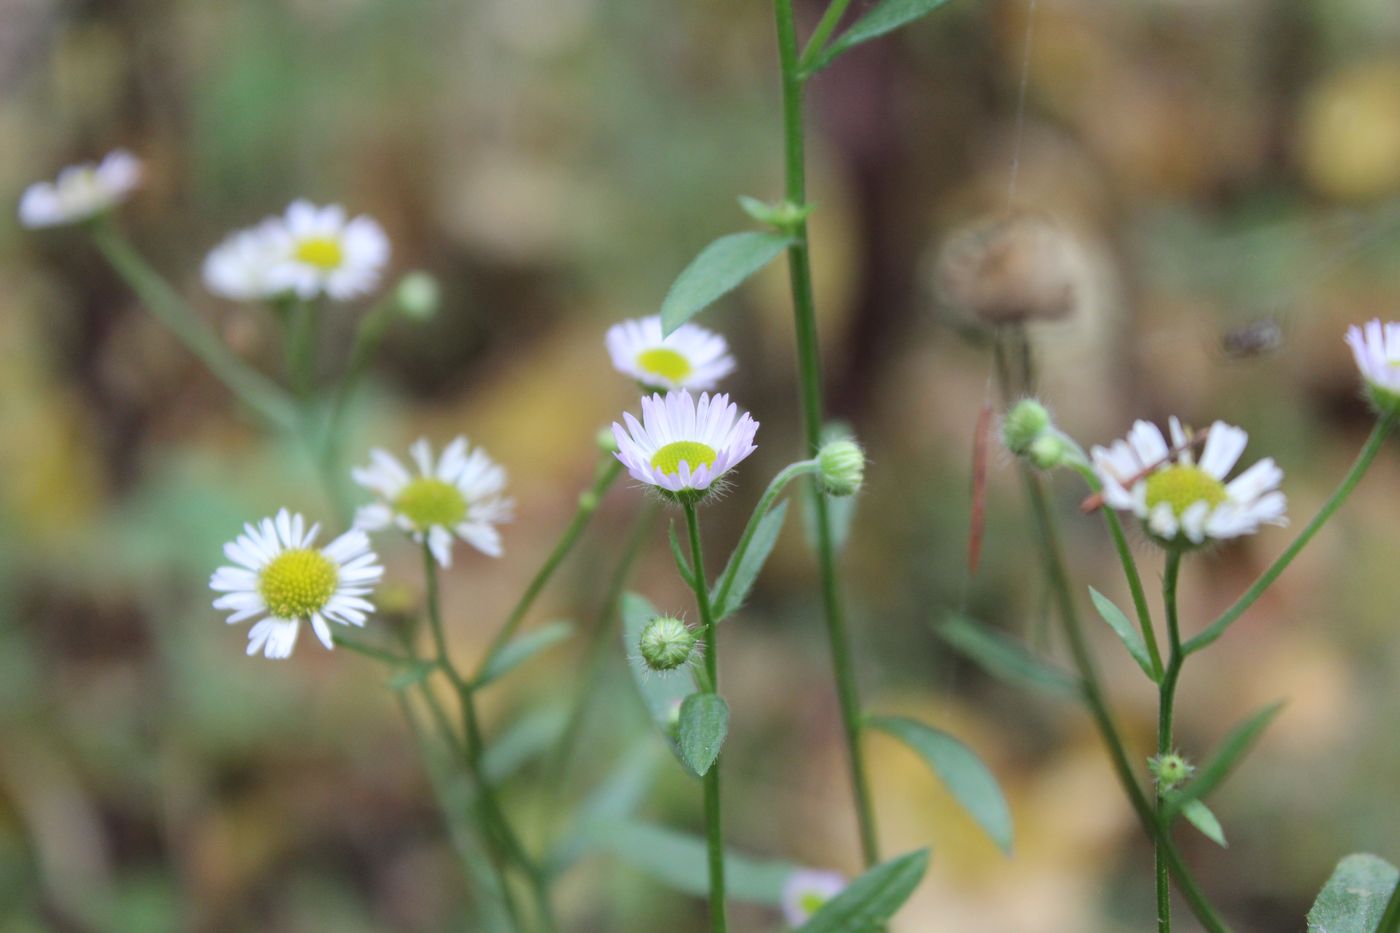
(1228, 170)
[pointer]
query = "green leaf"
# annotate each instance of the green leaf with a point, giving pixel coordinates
(1125, 630)
(1005, 658)
(522, 649)
(1231, 750)
(682, 565)
(525, 739)
(719, 268)
(840, 513)
(615, 797)
(1355, 897)
(679, 861)
(741, 578)
(886, 16)
(1203, 819)
(871, 899)
(703, 726)
(412, 675)
(960, 770)
(662, 693)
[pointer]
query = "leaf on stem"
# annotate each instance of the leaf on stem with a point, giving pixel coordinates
(886, 16)
(682, 565)
(1355, 897)
(1201, 817)
(840, 513)
(1005, 658)
(524, 740)
(703, 725)
(522, 649)
(960, 770)
(721, 267)
(1126, 631)
(413, 675)
(740, 578)
(1231, 750)
(871, 899)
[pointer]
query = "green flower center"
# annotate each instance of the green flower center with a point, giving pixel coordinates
(669, 458)
(297, 583)
(323, 252)
(668, 364)
(429, 501)
(1182, 486)
(811, 902)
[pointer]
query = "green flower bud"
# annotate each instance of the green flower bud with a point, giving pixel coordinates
(1052, 450)
(841, 467)
(606, 442)
(418, 296)
(1026, 421)
(1170, 770)
(666, 644)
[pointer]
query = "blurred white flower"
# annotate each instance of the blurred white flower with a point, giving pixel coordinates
(81, 191)
(320, 252)
(681, 444)
(1377, 351)
(459, 494)
(241, 267)
(1174, 496)
(806, 890)
(690, 358)
(283, 580)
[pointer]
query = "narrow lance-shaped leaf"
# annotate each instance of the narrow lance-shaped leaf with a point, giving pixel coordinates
(1125, 630)
(522, 649)
(682, 564)
(703, 726)
(886, 16)
(719, 269)
(1201, 817)
(1355, 897)
(1231, 750)
(871, 899)
(960, 770)
(740, 579)
(1005, 658)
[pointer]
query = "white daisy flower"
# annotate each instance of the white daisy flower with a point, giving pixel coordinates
(283, 580)
(681, 444)
(805, 892)
(81, 191)
(1377, 351)
(1173, 495)
(321, 252)
(459, 495)
(242, 267)
(691, 358)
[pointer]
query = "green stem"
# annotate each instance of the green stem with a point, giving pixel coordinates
(1390, 920)
(369, 651)
(301, 349)
(765, 503)
(714, 827)
(1165, 713)
(817, 41)
(1358, 469)
(809, 366)
(255, 390)
(607, 474)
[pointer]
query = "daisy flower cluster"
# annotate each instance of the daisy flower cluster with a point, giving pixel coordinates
(81, 192)
(308, 251)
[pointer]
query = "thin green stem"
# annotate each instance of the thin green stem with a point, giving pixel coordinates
(1165, 713)
(1390, 920)
(301, 348)
(714, 826)
(817, 41)
(765, 503)
(809, 367)
(588, 502)
(369, 651)
(256, 391)
(1358, 469)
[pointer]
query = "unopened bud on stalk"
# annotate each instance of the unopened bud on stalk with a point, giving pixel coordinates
(666, 644)
(606, 442)
(1024, 423)
(1053, 450)
(841, 467)
(1170, 770)
(419, 296)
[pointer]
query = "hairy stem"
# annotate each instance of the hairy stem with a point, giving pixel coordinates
(1165, 713)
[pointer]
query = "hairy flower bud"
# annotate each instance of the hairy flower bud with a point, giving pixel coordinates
(666, 643)
(1170, 770)
(418, 296)
(1052, 450)
(1024, 423)
(841, 467)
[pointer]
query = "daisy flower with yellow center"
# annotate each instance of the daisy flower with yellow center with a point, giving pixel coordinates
(690, 358)
(1376, 348)
(1177, 497)
(81, 191)
(282, 579)
(806, 891)
(458, 495)
(682, 444)
(319, 251)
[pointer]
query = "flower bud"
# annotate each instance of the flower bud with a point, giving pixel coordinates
(841, 467)
(666, 644)
(606, 441)
(1024, 423)
(1170, 770)
(1052, 450)
(418, 296)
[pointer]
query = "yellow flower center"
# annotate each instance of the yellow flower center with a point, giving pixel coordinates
(429, 501)
(668, 364)
(323, 252)
(669, 458)
(297, 583)
(811, 902)
(1182, 486)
